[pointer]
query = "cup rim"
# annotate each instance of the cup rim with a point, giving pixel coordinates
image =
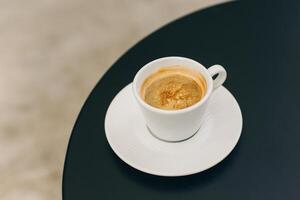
(207, 77)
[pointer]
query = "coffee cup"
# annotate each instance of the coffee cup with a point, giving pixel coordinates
(181, 124)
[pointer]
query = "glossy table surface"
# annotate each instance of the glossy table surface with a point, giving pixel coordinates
(258, 44)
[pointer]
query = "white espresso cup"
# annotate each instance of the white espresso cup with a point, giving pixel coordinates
(176, 125)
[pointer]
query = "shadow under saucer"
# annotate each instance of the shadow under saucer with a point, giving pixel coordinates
(180, 183)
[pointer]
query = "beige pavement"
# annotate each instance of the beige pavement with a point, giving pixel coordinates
(52, 53)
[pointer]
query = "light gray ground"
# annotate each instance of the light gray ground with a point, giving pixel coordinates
(52, 53)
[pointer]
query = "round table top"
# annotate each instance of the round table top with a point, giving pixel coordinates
(259, 45)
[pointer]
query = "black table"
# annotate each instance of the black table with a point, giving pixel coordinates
(259, 45)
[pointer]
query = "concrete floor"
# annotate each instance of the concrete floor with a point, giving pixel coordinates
(52, 53)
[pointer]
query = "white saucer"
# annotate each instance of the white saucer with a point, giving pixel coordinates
(130, 139)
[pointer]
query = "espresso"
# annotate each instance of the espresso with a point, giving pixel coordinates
(173, 88)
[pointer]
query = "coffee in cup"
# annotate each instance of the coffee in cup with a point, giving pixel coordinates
(173, 88)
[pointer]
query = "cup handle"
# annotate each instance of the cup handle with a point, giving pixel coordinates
(221, 75)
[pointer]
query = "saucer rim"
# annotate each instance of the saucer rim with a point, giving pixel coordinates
(154, 172)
